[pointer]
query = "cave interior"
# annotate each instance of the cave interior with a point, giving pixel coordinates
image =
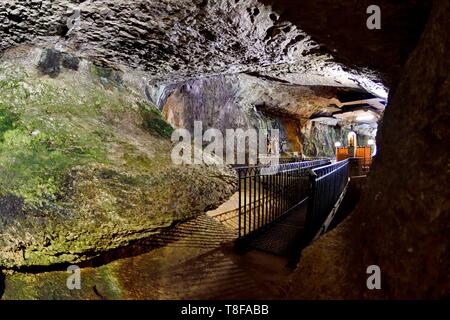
(91, 93)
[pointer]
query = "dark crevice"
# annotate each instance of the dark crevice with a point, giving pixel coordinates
(269, 78)
(270, 32)
(95, 259)
(98, 294)
(293, 42)
(208, 35)
(15, 18)
(63, 32)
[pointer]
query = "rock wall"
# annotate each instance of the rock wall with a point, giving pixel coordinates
(85, 163)
(214, 101)
(231, 102)
(174, 40)
(385, 50)
(318, 139)
(402, 222)
(224, 102)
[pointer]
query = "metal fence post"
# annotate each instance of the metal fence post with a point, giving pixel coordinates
(311, 206)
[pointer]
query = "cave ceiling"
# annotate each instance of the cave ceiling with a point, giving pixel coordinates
(311, 43)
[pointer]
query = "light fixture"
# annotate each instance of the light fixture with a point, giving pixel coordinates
(365, 117)
(337, 144)
(371, 142)
(351, 139)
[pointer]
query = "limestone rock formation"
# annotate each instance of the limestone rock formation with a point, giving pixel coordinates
(175, 40)
(340, 28)
(247, 44)
(319, 139)
(86, 163)
(244, 101)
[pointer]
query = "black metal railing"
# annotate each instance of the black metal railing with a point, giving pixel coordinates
(268, 192)
(281, 160)
(327, 185)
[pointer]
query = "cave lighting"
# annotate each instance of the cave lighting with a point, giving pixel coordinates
(337, 144)
(373, 147)
(351, 139)
(365, 117)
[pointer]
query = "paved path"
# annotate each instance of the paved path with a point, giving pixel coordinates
(281, 238)
(194, 260)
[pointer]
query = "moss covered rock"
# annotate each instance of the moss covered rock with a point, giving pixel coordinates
(86, 168)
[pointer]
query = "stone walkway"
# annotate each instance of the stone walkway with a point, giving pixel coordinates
(282, 237)
(194, 260)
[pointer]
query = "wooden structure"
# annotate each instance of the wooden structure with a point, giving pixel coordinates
(364, 153)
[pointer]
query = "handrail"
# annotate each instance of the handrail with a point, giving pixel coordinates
(325, 171)
(282, 166)
(268, 192)
(327, 185)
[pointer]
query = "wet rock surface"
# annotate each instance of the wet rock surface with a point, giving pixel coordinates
(86, 164)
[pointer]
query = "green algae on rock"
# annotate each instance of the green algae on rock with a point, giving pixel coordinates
(86, 168)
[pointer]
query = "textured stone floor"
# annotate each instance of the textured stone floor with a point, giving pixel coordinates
(195, 260)
(282, 237)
